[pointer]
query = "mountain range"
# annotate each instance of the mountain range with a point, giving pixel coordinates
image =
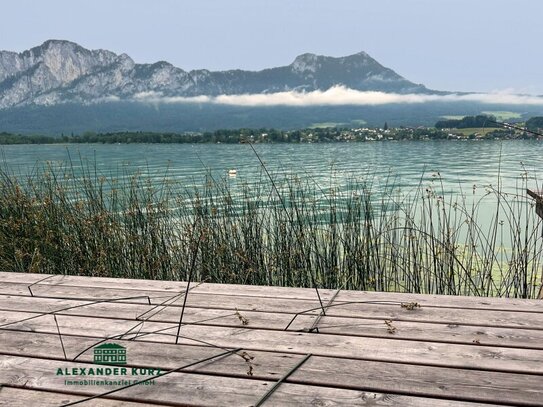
(61, 87)
(62, 71)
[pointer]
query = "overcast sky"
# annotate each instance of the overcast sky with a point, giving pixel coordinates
(465, 45)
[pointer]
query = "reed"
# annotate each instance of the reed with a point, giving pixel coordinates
(289, 232)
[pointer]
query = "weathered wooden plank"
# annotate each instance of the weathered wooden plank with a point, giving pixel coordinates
(445, 333)
(176, 388)
(168, 286)
(197, 389)
(20, 397)
(506, 319)
(131, 312)
(293, 395)
(135, 296)
(367, 348)
(422, 381)
(447, 301)
(209, 288)
(287, 395)
(357, 357)
(263, 365)
(450, 333)
(356, 374)
(12, 288)
(438, 315)
(158, 297)
(441, 301)
(376, 349)
(24, 278)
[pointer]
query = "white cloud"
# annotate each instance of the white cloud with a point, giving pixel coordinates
(339, 95)
(109, 98)
(158, 97)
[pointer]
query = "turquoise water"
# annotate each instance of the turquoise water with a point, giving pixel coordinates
(462, 172)
(498, 241)
(460, 164)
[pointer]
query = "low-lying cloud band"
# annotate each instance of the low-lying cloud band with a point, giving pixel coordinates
(339, 95)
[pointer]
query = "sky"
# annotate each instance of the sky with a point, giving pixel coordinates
(455, 45)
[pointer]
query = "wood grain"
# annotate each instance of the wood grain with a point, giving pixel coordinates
(366, 350)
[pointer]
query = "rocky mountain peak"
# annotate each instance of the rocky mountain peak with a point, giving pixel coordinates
(306, 63)
(51, 44)
(125, 62)
(59, 71)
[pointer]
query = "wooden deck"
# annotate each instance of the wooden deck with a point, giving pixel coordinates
(249, 346)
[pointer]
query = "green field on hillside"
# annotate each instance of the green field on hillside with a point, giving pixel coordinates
(474, 130)
(503, 115)
(500, 115)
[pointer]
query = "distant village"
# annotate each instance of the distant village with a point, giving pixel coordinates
(467, 128)
(363, 134)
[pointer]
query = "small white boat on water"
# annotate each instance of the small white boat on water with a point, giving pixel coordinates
(232, 173)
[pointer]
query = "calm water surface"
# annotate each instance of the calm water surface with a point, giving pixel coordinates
(466, 168)
(460, 164)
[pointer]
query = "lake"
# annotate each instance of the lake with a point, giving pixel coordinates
(461, 164)
(464, 239)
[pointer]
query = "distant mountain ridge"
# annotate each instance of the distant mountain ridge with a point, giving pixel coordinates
(60, 71)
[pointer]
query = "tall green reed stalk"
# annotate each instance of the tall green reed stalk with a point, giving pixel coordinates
(292, 234)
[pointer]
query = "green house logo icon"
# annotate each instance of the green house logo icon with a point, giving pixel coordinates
(110, 354)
